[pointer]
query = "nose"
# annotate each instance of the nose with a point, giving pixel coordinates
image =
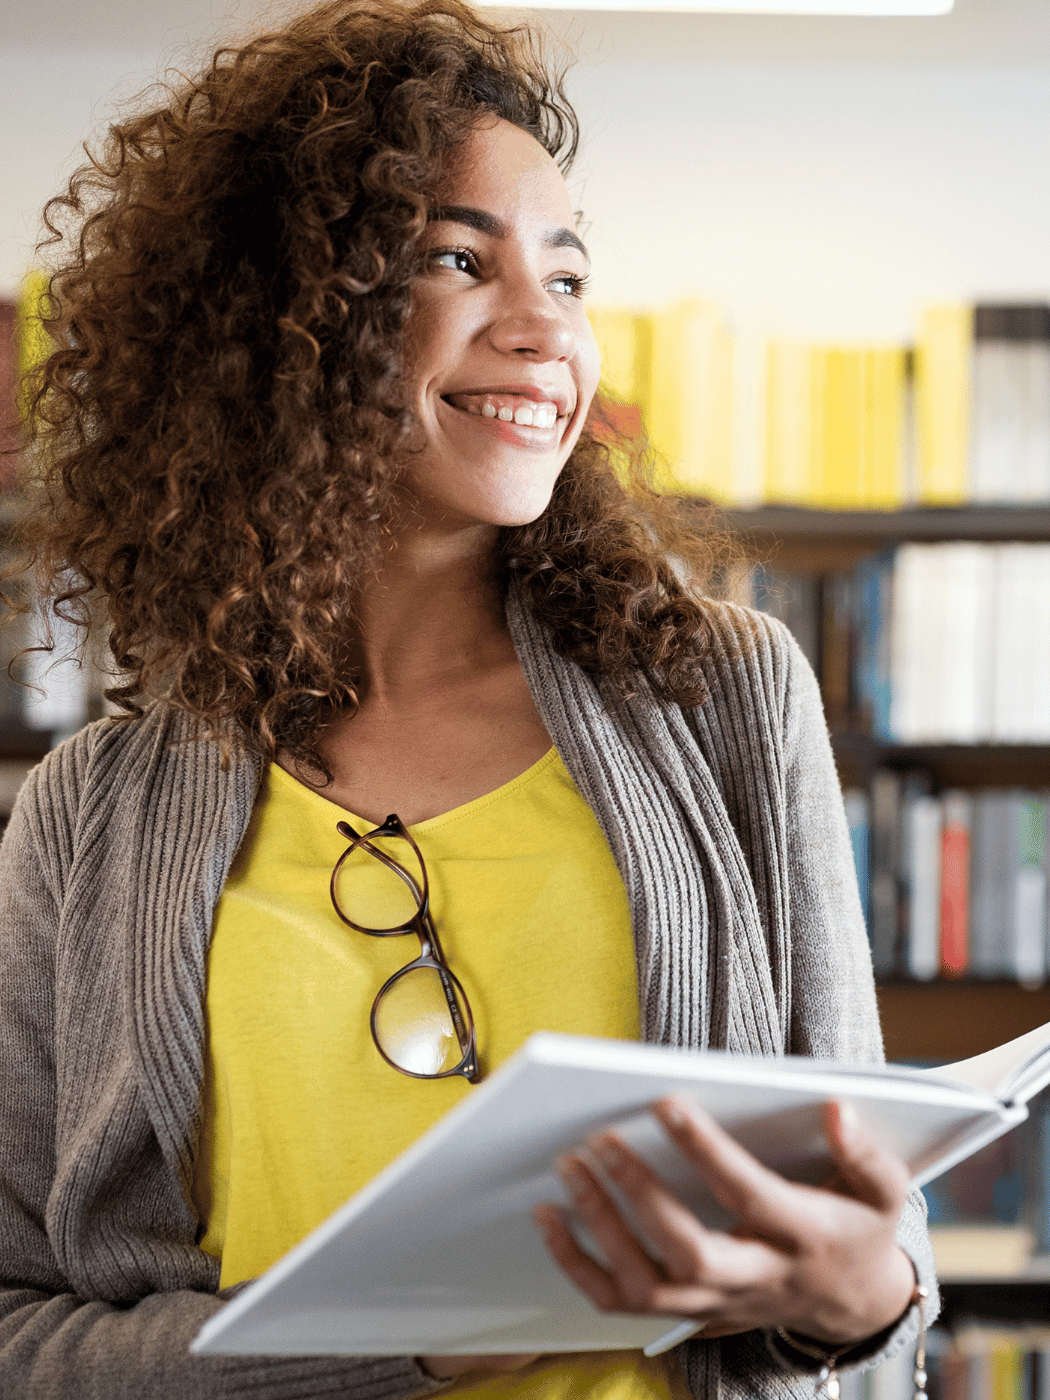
(533, 329)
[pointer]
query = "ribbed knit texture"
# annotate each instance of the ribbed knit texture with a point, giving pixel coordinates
(725, 823)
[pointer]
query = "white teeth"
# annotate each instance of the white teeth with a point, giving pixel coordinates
(542, 415)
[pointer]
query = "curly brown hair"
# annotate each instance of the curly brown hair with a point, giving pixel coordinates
(217, 431)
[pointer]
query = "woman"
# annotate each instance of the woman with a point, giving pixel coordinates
(320, 438)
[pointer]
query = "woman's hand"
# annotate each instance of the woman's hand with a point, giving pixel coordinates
(821, 1262)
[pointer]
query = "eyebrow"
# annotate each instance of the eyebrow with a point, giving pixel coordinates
(488, 223)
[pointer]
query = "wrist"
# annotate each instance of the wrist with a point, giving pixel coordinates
(880, 1311)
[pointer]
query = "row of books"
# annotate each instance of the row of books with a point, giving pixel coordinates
(952, 884)
(976, 1361)
(962, 416)
(927, 643)
(22, 343)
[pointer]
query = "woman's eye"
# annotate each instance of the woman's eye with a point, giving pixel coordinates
(571, 284)
(456, 258)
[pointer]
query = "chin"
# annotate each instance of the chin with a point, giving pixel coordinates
(518, 510)
(502, 507)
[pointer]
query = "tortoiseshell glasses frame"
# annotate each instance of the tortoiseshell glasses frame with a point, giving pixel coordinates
(431, 955)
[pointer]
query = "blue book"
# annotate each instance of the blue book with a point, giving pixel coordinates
(873, 607)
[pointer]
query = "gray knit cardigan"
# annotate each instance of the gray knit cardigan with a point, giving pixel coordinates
(728, 830)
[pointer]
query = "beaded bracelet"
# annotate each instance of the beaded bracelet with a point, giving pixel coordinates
(827, 1376)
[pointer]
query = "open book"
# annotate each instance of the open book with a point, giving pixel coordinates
(439, 1254)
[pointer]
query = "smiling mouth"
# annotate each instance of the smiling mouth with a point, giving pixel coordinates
(507, 408)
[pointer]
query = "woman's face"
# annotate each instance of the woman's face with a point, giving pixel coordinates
(501, 359)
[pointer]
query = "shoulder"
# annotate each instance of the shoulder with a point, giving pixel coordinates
(755, 666)
(87, 777)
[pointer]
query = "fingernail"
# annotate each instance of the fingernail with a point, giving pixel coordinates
(570, 1174)
(672, 1114)
(608, 1151)
(849, 1121)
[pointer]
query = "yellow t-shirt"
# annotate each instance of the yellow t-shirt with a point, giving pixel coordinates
(301, 1111)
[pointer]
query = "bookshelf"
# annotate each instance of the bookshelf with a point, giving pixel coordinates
(807, 539)
(941, 1019)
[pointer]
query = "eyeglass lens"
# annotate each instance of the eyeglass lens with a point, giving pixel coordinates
(375, 896)
(413, 1023)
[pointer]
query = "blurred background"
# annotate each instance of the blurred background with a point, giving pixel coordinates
(822, 286)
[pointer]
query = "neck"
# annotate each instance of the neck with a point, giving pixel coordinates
(433, 610)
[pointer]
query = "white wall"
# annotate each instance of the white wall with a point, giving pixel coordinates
(50, 101)
(819, 178)
(816, 202)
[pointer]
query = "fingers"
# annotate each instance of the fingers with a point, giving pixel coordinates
(634, 1273)
(688, 1251)
(695, 1270)
(737, 1180)
(872, 1173)
(579, 1267)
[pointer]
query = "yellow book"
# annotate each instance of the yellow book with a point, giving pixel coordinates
(617, 335)
(789, 376)
(840, 483)
(942, 382)
(623, 344)
(690, 400)
(33, 342)
(820, 448)
(1007, 1371)
(883, 486)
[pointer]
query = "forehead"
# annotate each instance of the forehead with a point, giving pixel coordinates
(506, 171)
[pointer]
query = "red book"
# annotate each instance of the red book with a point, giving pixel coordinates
(955, 884)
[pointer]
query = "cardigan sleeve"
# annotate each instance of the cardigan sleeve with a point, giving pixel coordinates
(55, 1340)
(834, 1014)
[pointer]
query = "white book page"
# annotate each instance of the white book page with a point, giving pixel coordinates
(1008, 1070)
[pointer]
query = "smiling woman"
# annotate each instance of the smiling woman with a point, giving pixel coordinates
(432, 738)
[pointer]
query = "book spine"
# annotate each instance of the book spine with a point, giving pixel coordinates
(943, 371)
(788, 427)
(884, 892)
(1029, 890)
(705, 405)
(922, 866)
(955, 884)
(1039, 644)
(1011, 705)
(885, 442)
(836, 649)
(914, 644)
(991, 885)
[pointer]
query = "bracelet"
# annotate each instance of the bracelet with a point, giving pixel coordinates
(827, 1376)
